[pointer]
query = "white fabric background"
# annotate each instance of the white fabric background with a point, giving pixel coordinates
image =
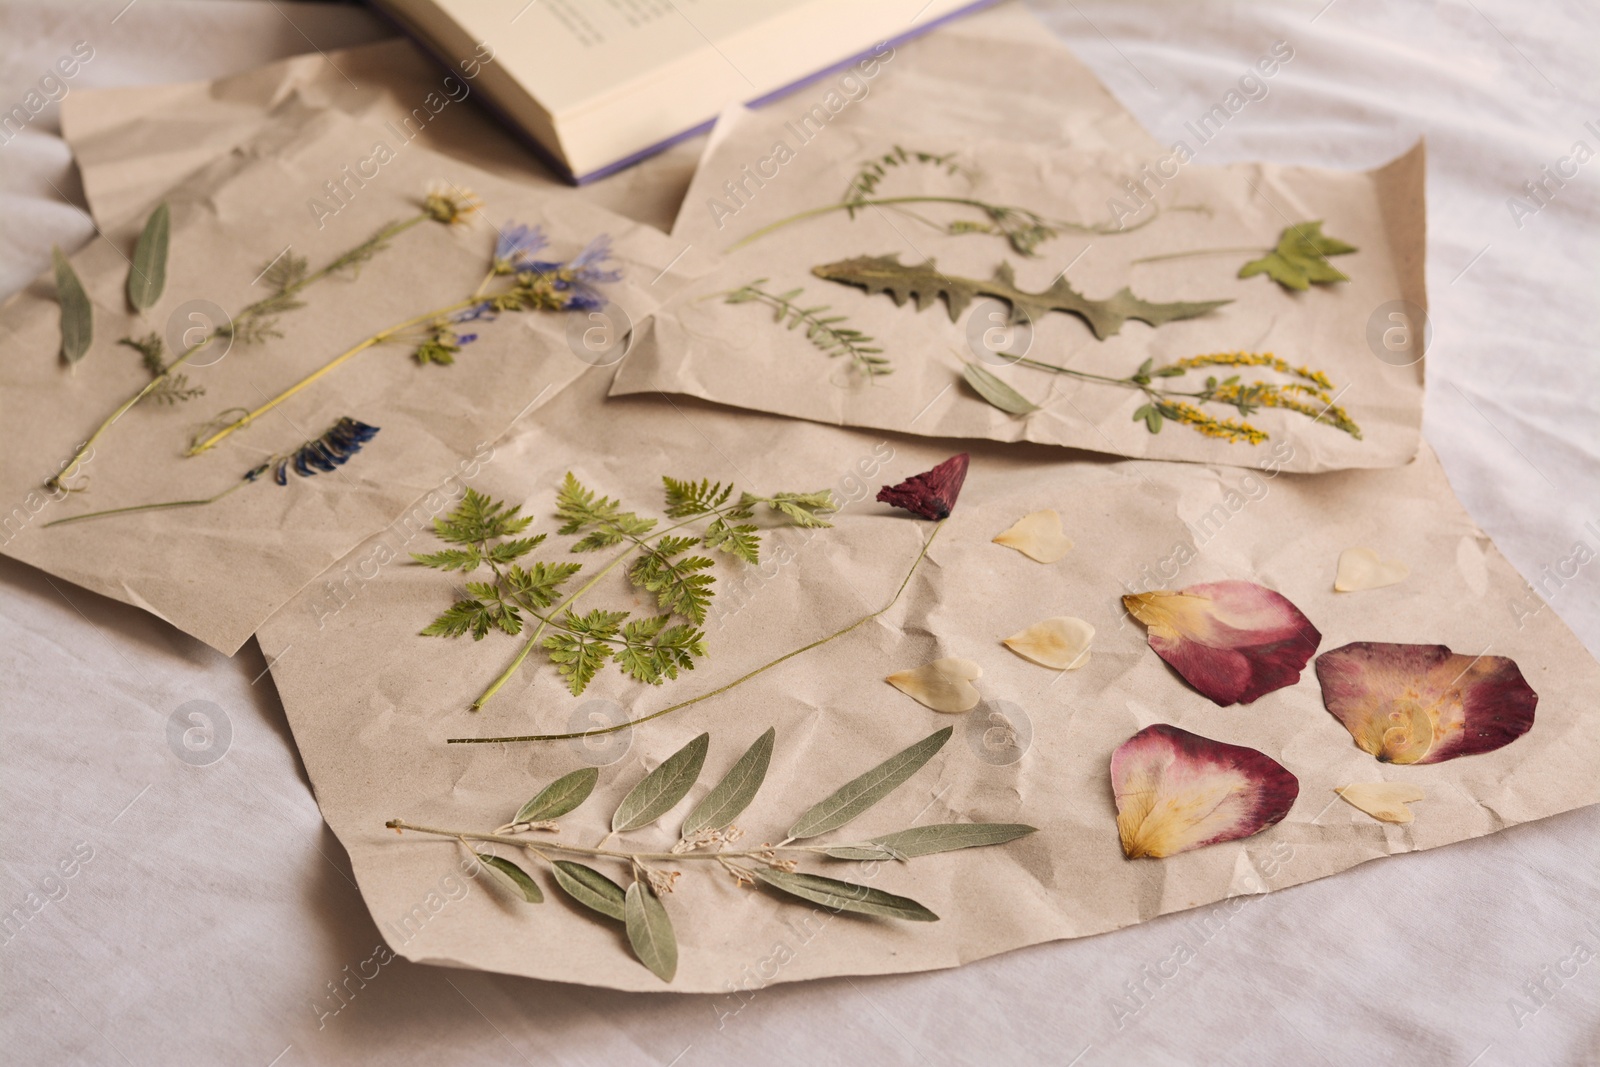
(217, 909)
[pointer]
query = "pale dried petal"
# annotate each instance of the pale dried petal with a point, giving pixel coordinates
(1362, 568)
(1037, 536)
(1425, 703)
(1233, 640)
(1385, 801)
(1176, 791)
(943, 685)
(1061, 643)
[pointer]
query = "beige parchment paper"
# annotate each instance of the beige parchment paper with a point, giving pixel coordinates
(216, 572)
(372, 704)
(740, 356)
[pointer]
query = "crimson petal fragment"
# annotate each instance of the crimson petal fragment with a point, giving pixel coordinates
(1176, 790)
(1425, 703)
(1233, 641)
(931, 494)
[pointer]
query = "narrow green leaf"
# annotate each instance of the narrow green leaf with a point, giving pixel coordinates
(590, 888)
(844, 896)
(650, 931)
(727, 801)
(997, 392)
(1152, 420)
(147, 277)
(77, 315)
(927, 840)
(516, 876)
(662, 788)
(858, 795)
(560, 796)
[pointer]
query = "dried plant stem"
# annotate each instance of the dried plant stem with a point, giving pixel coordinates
(1196, 252)
(928, 543)
(543, 845)
(961, 201)
(149, 507)
(244, 317)
(327, 368)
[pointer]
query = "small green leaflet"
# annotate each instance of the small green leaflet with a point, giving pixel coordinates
(997, 392)
(560, 796)
(590, 888)
(516, 876)
(1150, 415)
(1301, 258)
(844, 896)
(653, 652)
(678, 584)
(650, 932)
(928, 840)
(728, 799)
(77, 316)
(662, 788)
(858, 795)
(147, 276)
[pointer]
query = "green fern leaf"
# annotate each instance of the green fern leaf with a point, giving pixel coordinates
(541, 583)
(451, 559)
(654, 652)
(694, 498)
(462, 617)
(676, 583)
(741, 540)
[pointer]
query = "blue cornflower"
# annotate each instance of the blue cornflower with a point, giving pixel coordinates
(484, 310)
(515, 244)
(578, 278)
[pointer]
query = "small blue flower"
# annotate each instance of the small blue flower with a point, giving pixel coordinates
(577, 279)
(516, 243)
(330, 450)
(484, 311)
(466, 338)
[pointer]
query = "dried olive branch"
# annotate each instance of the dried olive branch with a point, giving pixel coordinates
(928, 543)
(544, 845)
(278, 301)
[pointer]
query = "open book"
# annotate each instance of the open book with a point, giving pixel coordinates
(599, 84)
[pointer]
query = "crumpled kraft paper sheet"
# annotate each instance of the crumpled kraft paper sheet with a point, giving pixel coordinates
(217, 572)
(372, 704)
(739, 355)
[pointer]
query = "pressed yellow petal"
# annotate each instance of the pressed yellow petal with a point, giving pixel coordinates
(1362, 568)
(1037, 536)
(1382, 800)
(1061, 643)
(943, 685)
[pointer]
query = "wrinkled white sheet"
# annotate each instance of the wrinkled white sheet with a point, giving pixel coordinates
(215, 910)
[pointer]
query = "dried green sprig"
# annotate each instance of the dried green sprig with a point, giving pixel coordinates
(1297, 262)
(486, 533)
(171, 388)
(1023, 228)
(704, 835)
(822, 330)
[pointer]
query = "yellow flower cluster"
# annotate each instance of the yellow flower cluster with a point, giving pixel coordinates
(1255, 359)
(1231, 430)
(1272, 395)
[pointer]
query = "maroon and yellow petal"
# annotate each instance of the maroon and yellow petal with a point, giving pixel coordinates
(1233, 641)
(1176, 790)
(1425, 703)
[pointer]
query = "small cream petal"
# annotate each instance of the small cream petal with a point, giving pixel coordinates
(943, 685)
(1385, 801)
(1061, 643)
(1037, 536)
(1361, 568)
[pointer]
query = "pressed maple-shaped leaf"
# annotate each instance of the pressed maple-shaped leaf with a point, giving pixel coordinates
(1425, 703)
(1233, 640)
(931, 494)
(1176, 790)
(1300, 259)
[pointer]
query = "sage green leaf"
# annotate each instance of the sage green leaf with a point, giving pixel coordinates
(728, 799)
(997, 392)
(927, 840)
(844, 896)
(148, 275)
(77, 315)
(516, 876)
(560, 796)
(861, 793)
(661, 788)
(650, 931)
(590, 888)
